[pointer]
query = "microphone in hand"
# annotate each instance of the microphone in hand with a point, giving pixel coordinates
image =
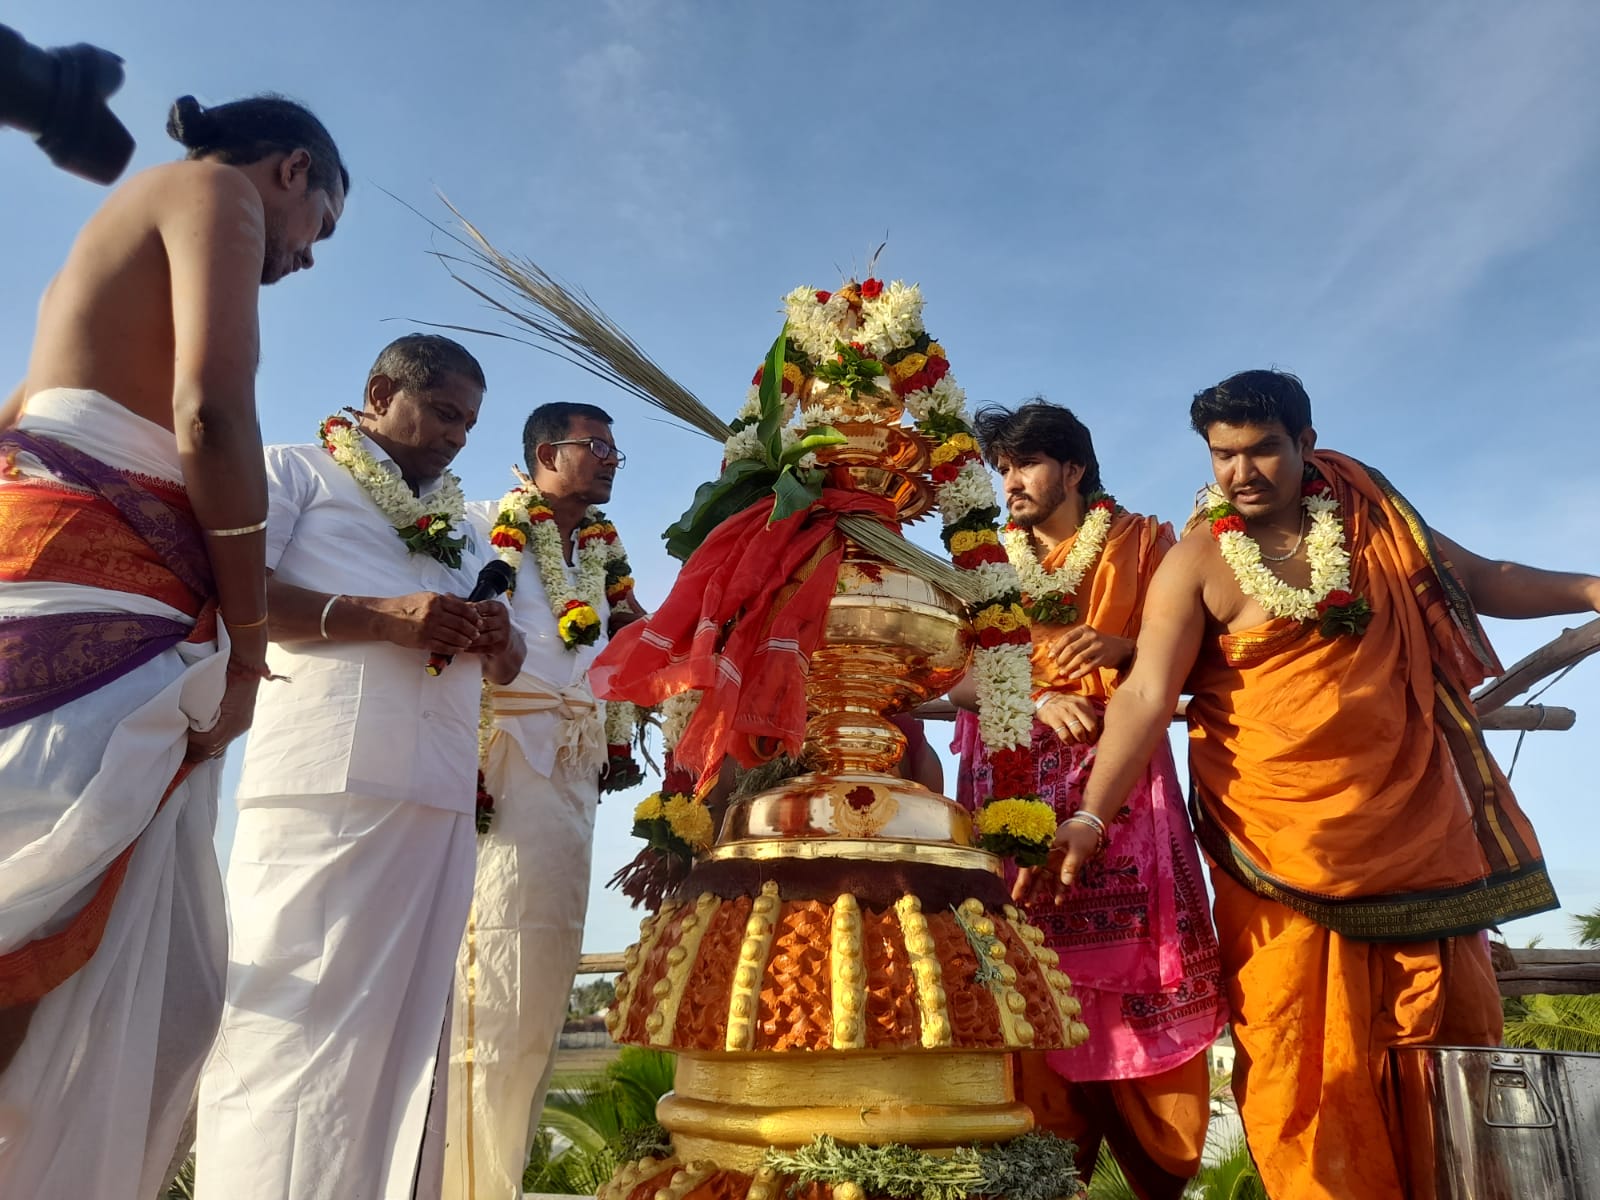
(495, 578)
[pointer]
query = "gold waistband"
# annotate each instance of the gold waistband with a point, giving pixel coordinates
(570, 703)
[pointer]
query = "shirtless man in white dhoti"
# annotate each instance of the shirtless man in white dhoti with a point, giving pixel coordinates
(351, 871)
(132, 506)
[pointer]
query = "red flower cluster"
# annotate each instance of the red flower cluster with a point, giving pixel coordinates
(572, 604)
(1338, 598)
(788, 384)
(1013, 772)
(1108, 504)
(871, 289)
(945, 472)
(676, 780)
(1232, 523)
(824, 297)
(989, 552)
(423, 522)
(936, 369)
(505, 539)
(1317, 486)
(989, 638)
(329, 426)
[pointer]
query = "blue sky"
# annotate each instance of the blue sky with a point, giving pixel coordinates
(1111, 205)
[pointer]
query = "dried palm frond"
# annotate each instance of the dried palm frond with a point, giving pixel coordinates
(893, 548)
(568, 324)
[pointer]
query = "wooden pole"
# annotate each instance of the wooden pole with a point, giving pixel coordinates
(1574, 645)
(1515, 717)
(1550, 972)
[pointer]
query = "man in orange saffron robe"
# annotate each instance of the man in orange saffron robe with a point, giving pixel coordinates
(1360, 833)
(1133, 934)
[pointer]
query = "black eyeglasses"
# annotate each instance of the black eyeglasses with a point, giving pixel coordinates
(598, 447)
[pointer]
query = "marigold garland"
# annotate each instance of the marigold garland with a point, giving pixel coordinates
(1020, 827)
(524, 518)
(673, 823)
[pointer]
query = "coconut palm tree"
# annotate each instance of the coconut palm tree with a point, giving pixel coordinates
(1232, 1177)
(1564, 1023)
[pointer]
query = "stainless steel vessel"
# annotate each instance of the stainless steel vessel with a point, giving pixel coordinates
(1500, 1124)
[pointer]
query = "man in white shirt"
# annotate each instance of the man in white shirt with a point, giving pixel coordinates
(352, 866)
(543, 766)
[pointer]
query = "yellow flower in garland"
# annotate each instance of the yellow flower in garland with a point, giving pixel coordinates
(958, 446)
(1007, 618)
(526, 522)
(907, 367)
(936, 351)
(648, 809)
(579, 625)
(675, 823)
(618, 588)
(508, 536)
(689, 820)
(970, 539)
(1025, 820)
(1017, 828)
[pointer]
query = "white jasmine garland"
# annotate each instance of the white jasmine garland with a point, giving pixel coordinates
(1064, 581)
(815, 415)
(1004, 678)
(622, 718)
(444, 508)
(970, 490)
(945, 398)
(997, 579)
(815, 328)
(676, 712)
(1325, 554)
(891, 320)
(746, 443)
(750, 410)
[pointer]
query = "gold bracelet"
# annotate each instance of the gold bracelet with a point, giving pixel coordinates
(239, 532)
(256, 624)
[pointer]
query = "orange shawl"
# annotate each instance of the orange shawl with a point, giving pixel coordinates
(1348, 777)
(1111, 601)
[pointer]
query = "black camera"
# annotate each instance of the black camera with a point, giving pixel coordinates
(60, 96)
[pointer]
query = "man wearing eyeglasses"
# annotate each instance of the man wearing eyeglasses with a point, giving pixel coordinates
(542, 767)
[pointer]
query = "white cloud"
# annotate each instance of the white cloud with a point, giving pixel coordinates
(652, 159)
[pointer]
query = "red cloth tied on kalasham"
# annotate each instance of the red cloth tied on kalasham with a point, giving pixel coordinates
(740, 624)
